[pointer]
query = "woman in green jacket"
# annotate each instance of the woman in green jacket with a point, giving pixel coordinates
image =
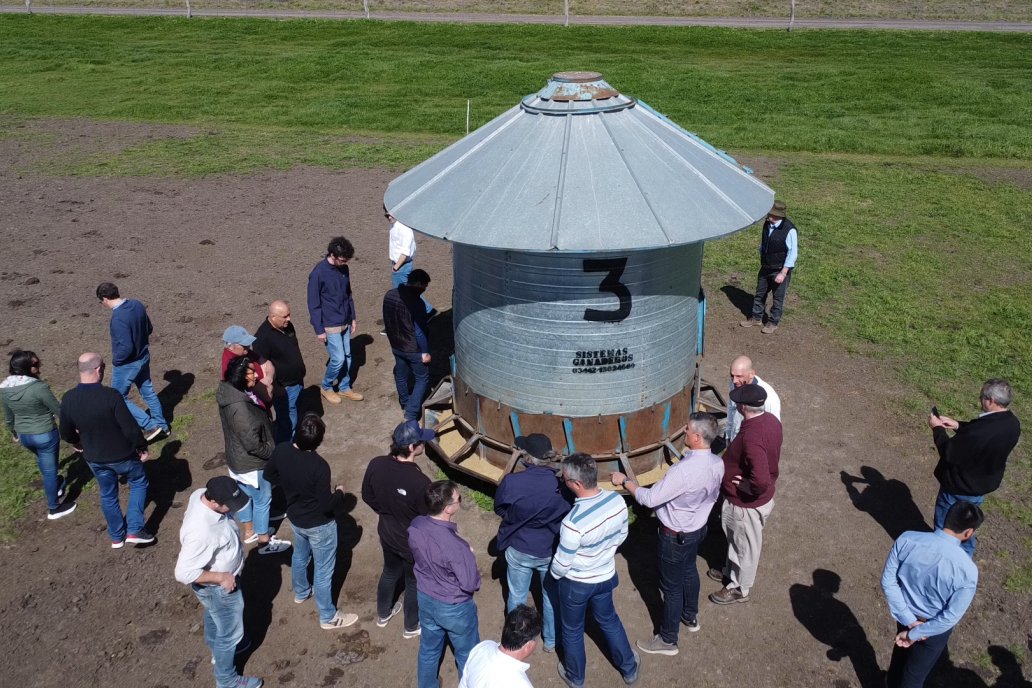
(30, 409)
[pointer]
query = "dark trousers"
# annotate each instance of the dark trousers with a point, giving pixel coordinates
(408, 365)
(765, 284)
(395, 567)
(678, 580)
(910, 666)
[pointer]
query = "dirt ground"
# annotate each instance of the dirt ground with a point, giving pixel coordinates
(204, 254)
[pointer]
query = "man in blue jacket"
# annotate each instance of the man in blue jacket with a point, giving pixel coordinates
(332, 311)
(532, 505)
(130, 357)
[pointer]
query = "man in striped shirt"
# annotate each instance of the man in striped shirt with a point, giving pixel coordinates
(585, 567)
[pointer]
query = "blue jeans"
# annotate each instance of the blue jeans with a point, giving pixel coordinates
(319, 543)
(575, 599)
(286, 412)
(406, 364)
(338, 347)
(943, 502)
(123, 377)
(223, 629)
(107, 475)
(257, 509)
(401, 277)
(678, 580)
(45, 446)
(910, 666)
(521, 570)
(441, 621)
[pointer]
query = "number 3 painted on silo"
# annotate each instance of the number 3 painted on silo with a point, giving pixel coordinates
(613, 267)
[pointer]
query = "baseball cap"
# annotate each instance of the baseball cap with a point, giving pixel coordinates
(537, 445)
(409, 432)
(750, 395)
(235, 334)
(225, 491)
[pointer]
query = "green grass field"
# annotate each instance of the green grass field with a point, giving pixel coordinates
(905, 157)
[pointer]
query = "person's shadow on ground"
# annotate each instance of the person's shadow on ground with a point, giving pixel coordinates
(739, 298)
(179, 383)
(832, 622)
(349, 533)
(260, 582)
(889, 502)
(167, 476)
(639, 551)
(359, 345)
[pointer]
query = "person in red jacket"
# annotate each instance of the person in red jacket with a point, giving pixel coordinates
(750, 473)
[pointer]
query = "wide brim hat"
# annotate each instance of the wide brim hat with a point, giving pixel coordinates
(778, 209)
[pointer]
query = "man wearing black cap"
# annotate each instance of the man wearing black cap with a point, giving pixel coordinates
(532, 504)
(209, 562)
(394, 487)
(779, 247)
(750, 473)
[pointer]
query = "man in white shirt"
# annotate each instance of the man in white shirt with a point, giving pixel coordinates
(493, 665)
(742, 373)
(402, 251)
(210, 560)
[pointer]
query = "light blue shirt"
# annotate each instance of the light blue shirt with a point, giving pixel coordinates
(928, 576)
(790, 241)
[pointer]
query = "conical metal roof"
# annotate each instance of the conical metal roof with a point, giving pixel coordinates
(578, 167)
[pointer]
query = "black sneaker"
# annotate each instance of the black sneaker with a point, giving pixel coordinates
(140, 538)
(155, 433)
(691, 624)
(61, 511)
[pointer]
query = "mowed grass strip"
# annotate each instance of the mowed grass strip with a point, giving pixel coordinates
(945, 94)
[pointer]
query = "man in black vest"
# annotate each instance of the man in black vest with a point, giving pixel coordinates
(779, 247)
(972, 462)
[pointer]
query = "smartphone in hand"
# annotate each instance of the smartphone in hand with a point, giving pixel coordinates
(935, 411)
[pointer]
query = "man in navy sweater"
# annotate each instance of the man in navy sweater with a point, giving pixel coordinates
(130, 356)
(332, 311)
(95, 420)
(532, 505)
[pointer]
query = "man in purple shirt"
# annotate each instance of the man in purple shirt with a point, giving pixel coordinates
(446, 578)
(532, 505)
(682, 501)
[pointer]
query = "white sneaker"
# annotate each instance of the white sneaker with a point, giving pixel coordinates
(380, 623)
(274, 546)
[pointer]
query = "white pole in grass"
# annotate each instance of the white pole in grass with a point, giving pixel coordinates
(791, 19)
(566, 10)
(467, 117)
(28, 6)
(189, 10)
(365, 6)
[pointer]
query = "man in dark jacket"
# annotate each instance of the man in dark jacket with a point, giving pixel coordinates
(95, 420)
(130, 357)
(394, 487)
(972, 462)
(311, 506)
(532, 504)
(779, 248)
(275, 340)
(407, 327)
(751, 467)
(332, 310)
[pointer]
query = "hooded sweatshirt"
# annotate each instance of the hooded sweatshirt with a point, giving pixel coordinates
(29, 405)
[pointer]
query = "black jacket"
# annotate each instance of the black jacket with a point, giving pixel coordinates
(396, 491)
(246, 428)
(972, 462)
(96, 417)
(405, 320)
(282, 349)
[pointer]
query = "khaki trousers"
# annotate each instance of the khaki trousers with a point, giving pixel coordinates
(744, 530)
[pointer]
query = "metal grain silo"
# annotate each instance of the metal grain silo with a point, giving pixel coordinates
(578, 219)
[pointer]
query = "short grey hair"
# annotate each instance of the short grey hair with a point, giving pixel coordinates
(705, 424)
(89, 362)
(582, 469)
(998, 391)
(549, 459)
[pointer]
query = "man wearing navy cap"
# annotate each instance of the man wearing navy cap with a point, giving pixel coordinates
(532, 505)
(209, 562)
(394, 487)
(750, 473)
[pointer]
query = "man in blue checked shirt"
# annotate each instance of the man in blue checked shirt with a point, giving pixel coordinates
(929, 581)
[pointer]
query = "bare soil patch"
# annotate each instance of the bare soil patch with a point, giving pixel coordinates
(203, 254)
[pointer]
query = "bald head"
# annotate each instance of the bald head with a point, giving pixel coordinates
(91, 367)
(279, 314)
(742, 372)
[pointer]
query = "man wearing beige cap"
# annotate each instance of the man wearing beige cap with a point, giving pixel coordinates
(779, 248)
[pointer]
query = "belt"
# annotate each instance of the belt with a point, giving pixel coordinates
(674, 533)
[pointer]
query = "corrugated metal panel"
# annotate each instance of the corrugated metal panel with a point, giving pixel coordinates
(578, 167)
(526, 336)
